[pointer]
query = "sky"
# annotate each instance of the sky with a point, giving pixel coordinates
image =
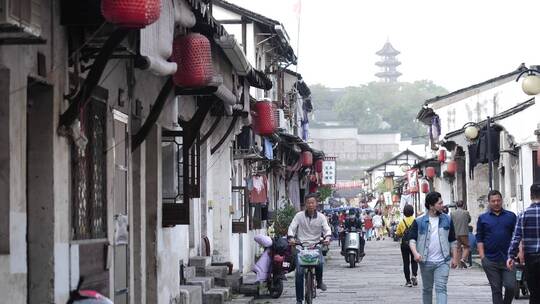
(454, 43)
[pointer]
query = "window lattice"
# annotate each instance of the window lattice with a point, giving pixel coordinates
(89, 209)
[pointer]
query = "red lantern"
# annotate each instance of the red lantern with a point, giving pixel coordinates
(442, 156)
(131, 13)
(395, 198)
(264, 119)
(425, 186)
(319, 165)
(430, 172)
(193, 55)
(307, 159)
(452, 167)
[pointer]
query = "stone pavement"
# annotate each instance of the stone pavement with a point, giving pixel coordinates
(379, 279)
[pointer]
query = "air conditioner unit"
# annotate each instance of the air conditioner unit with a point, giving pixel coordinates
(281, 121)
(20, 20)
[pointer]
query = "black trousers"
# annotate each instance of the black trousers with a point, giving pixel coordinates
(408, 262)
(532, 269)
(499, 276)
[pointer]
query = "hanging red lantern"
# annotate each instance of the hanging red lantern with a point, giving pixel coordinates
(395, 198)
(264, 119)
(430, 172)
(193, 55)
(452, 167)
(307, 159)
(131, 13)
(442, 156)
(318, 165)
(425, 186)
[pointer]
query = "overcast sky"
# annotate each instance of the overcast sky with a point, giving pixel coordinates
(455, 43)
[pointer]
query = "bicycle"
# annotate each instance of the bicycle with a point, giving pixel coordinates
(309, 258)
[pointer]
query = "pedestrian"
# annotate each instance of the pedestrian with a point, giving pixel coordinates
(527, 232)
(368, 223)
(461, 219)
(403, 232)
(378, 224)
(472, 245)
(494, 231)
(432, 239)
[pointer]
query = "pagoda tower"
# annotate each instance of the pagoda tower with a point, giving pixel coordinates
(388, 63)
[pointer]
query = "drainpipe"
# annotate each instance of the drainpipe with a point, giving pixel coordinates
(537, 133)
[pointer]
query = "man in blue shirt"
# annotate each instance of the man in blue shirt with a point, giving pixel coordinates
(528, 231)
(493, 235)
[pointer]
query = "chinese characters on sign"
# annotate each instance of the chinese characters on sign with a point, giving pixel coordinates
(329, 172)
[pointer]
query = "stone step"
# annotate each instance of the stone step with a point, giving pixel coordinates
(206, 283)
(239, 299)
(216, 296)
(218, 272)
(249, 289)
(233, 281)
(200, 261)
(191, 294)
(190, 272)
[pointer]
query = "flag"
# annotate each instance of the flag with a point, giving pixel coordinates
(297, 8)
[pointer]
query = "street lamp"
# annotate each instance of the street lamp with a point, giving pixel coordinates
(471, 131)
(531, 81)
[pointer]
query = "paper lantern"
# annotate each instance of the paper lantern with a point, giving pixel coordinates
(452, 167)
(319, 165)
(131, 13)
(442, 156)
(430, 172)
(395, 198)
(307, 159)
(264, 119)
(425, 186)
(193, 55)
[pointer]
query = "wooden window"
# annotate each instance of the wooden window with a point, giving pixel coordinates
(240, 208)
(89, 176)
(181, 177)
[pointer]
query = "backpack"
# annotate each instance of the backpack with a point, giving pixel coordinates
(406, 234)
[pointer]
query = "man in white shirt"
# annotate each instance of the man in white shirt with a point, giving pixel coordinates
(307, 227)
(434, 247)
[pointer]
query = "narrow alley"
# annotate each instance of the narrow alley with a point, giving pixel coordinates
(379, 279)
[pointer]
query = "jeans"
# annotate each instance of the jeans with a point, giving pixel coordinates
(299, 276)
(408, 263)
(499, 276)
(434, 273)
(532, 270)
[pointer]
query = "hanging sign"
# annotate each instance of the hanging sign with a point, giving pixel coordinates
(329, 172)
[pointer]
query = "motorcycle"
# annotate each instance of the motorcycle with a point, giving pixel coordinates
(80, 296)
(276, 261)
(393, 229)
(353, 250)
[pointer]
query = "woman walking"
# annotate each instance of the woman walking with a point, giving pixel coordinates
(408, 260)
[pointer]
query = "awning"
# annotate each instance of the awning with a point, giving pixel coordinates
(258, 79)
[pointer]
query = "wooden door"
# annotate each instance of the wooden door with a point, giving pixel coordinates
(121, 212)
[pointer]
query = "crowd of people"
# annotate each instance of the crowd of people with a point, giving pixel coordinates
(437, 241)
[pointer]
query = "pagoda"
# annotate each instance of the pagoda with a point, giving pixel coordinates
(388, 63)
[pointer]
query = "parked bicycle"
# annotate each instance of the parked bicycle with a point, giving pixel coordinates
(309, 258)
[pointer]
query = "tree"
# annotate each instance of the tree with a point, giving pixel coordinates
(382, 107)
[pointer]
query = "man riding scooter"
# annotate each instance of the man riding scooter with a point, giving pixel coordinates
(353, 224)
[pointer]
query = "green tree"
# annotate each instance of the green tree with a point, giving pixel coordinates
(379, 107)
